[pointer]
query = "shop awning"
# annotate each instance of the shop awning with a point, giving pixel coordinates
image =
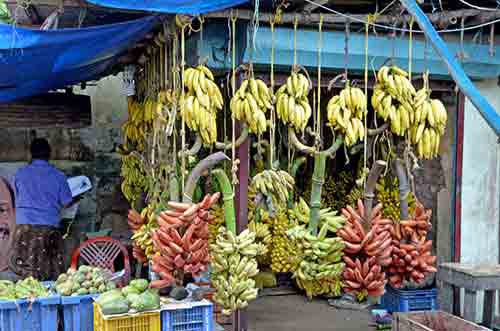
(34, 61)
(192, 7)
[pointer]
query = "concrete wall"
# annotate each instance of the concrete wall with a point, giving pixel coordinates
(88, 151)
(481, 184)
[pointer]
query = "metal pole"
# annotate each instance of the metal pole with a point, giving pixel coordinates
(456, 71)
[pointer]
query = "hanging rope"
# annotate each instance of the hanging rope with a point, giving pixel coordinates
(272, 128)
(365, 110)
(183, 122)
(234, 169)
(408, 152)
(294, 69)
(346, 47)
(320, 45)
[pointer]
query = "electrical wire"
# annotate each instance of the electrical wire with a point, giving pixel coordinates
(477, 7)
(381, 26)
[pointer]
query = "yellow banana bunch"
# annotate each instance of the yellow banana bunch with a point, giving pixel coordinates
(263, 236)
(346, 112)
(250, 103)
(134, 178)
(428, 124)
(200, 104)
(275, 184)
(292, 104)
(388, 196)
(143, 237)
(218, 221)
(393, 97)
(233, 259)
(283, 251)
(320, 268)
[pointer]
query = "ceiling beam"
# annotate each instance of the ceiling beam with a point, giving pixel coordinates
(309, 7)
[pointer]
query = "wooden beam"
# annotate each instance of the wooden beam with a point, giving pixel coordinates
(51, 110)
(440, 19)
(309, 7)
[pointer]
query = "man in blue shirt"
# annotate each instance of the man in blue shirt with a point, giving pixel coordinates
(41, 193)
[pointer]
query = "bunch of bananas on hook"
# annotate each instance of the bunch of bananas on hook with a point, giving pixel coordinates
(428, 124)
(134, 178)
(275, 184)
(393, 98)
(250, 103)
(346, 112)
(200, 104)
(292, 104)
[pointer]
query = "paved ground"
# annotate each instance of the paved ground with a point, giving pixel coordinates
(294, 312)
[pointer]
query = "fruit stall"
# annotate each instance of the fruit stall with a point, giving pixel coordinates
(260, 157)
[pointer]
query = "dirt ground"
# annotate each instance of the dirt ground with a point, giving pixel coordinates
(294, 312)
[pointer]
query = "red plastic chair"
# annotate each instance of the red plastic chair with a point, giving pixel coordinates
(102, 252)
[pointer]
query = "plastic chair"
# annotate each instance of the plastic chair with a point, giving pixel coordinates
(102, 252)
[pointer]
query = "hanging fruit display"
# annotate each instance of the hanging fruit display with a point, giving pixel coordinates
(393, 100)
(200, 104)
(276, 185)
(320, 266)
(292, 105)
(250, 104)
(388, 196)
(181, 240)
(134, 179)
(234, 266)
(346, 112)
(428, 124)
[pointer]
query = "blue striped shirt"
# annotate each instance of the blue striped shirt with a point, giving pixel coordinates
(41, 193)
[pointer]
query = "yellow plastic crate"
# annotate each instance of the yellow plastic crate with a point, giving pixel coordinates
(149, 321)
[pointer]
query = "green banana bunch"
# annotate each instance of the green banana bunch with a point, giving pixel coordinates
(334, 191)
(302, 211)
(292, 104)
(134, 178)
(320, 258)
(276, 184)
(428, 124)
(234, 265)
(200, 104)
(346, 112)
(250, 103)
(263, 235)
(393, 97)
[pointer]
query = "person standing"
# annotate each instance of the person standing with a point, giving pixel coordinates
(7, 226)
(41, 191)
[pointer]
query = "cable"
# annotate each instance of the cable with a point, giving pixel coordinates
(381, 26)
(477, 7)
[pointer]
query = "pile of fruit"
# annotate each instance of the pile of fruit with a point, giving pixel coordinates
(368, 240)
(136, 297)
(250, 103)
(85, 280)
(320, 266)
(412, 258)
(292, 104)
(234, 266)
(346, 112)
(181, 240)
(200, 104)
(23, 289)
(134, 178)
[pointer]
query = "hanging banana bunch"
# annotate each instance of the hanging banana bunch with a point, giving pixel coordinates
(134, 177)
(200, 104)
(346, 112)
(393, 99)
(250, 104)
(428, 124)
(275, 185)
(292, 104)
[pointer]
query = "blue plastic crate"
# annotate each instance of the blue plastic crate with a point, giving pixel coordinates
(78, 312)
(395, 300)
(29, 315)
(195, 316)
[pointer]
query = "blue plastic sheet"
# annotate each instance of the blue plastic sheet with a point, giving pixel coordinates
(34, 62)
(192, 7)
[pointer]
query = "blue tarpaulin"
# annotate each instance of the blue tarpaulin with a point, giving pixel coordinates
(192, 7)
(34, 62)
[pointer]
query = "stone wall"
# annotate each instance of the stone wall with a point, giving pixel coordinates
(88, 151)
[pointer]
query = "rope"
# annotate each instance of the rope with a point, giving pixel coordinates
(365, 110)
(346, 48)
(272, 128)
(320, 45)
(234, 167)
(183, 122)
(294, 69)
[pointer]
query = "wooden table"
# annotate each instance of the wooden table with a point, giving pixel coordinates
(472, 278)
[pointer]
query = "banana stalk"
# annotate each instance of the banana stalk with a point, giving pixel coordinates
(194, 149)
(404, 187)
(371, 182)
(295, 167)
(241, 139)
(228, 196)
(201, 170)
